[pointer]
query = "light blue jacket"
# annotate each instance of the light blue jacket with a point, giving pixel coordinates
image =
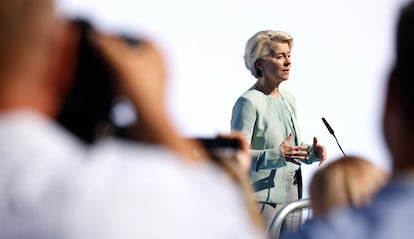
(259, 119)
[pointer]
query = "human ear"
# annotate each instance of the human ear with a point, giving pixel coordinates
(393, 123)
(64, 45)
(258, 65)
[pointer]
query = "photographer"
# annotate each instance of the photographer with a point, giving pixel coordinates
(54, 185)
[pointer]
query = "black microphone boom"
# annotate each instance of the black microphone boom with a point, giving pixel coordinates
(328, 126)
(333, 134)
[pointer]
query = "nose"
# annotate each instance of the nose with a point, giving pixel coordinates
(287, 61)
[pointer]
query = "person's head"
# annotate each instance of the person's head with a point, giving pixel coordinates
(398, 118)
(32, 55)
(24, 25)
(266, 45)
(347, 181)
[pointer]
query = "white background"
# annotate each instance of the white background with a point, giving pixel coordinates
(341, 57)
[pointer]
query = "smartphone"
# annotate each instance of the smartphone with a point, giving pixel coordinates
(220, 147)
(215, 143)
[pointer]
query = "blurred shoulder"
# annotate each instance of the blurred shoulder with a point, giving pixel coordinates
(252, 94)
(130, 177)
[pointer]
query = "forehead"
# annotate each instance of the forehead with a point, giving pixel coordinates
(280, 47)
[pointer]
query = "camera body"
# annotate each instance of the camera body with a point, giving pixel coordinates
(86, 110)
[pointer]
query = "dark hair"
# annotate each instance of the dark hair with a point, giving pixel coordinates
(404, 67)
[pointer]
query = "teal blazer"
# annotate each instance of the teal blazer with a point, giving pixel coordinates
(256, 116)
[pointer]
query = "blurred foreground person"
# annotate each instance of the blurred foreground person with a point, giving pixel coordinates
(347, 181)
(53, 185)
(391, 211)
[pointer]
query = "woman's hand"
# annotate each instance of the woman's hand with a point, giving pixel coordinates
(291, 152)
(319, 150)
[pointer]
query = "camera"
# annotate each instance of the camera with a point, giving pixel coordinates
(93, 102)
(87, 108)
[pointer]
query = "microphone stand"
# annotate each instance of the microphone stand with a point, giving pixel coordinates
(333, 134)
(339, 145)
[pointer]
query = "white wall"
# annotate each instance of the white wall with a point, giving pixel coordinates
(341, 56)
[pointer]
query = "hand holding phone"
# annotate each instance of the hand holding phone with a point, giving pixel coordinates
(233, 146)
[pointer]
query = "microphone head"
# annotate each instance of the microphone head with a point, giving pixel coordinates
(332, 132)
(328, 126)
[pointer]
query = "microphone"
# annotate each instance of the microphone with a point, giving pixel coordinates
(331, 131)
(328, 126)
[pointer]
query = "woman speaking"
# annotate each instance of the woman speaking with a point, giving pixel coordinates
(266, 115)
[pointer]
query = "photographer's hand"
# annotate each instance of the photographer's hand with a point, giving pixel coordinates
(141, 72)
(140, 68)
(242, 156)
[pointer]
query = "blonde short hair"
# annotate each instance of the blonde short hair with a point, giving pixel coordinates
(347, 181)
(259, 45)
